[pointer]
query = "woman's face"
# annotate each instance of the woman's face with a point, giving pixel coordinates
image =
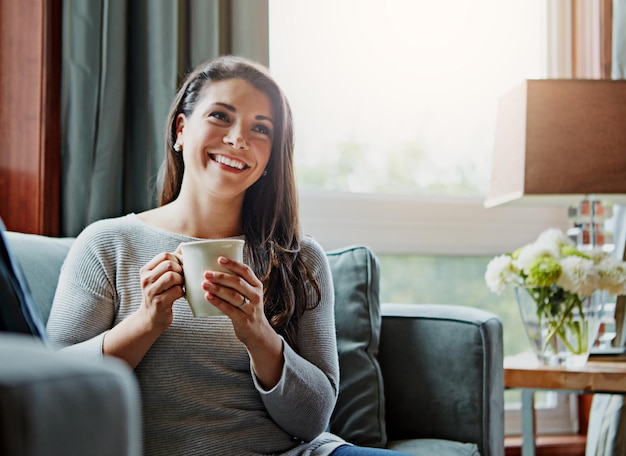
(227, 140)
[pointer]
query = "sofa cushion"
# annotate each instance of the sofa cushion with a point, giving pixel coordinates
(18, 311)
(359, 413)
(41, 258)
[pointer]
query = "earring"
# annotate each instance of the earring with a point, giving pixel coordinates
(178, 147)
(264, 173)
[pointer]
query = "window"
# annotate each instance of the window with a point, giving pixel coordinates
(400, 96)
(395, 108)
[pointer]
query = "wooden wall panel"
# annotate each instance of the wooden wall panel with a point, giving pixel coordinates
(30, 83)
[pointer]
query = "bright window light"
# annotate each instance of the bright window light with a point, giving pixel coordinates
(400, 95)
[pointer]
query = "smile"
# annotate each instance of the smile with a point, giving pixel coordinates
(230, 162)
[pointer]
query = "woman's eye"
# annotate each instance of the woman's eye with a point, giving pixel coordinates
(262, 129)
(219, 116)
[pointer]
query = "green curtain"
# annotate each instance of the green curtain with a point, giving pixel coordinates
(122, 63)
(618, 49)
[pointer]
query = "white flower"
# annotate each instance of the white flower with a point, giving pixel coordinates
(612, 275)
(500, 272)
(532, 252)
(598, 255)
(580, 272)
(553, 238)
(578, 275)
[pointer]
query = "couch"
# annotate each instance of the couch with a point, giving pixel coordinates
(424, 379)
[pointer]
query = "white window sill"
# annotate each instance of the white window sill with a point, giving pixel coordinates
(408, 224)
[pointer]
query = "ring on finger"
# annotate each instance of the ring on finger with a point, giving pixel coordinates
(244, 301)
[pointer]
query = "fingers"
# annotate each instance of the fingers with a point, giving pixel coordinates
(240, 269)
(164, 257)
(161, 273)
(229, 289)
(236, 289)
(162, 283)
(244, 302)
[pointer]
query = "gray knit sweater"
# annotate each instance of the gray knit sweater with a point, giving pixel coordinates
(199, 394)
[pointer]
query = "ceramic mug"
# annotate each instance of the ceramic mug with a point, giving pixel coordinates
(201, 256)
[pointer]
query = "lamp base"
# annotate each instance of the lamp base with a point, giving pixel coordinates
(588, 224)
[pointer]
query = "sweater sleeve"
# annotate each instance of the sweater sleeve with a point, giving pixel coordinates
(303, 400)
(84, 305)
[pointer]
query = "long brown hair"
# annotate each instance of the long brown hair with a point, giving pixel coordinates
(269, 215)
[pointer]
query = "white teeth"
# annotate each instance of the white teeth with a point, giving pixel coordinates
(229, 162)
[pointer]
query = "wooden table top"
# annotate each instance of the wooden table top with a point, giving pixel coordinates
(597, 376)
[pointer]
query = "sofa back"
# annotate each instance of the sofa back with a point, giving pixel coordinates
(41, 258)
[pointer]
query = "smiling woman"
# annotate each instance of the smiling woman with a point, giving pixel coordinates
(226, 140)
(270, 355)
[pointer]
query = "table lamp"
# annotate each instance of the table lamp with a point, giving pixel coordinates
(563, 141)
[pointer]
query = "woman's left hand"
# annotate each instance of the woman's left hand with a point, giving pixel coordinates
(239, 295)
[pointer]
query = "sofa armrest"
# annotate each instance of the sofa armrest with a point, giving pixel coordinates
(57, 404)
(443, 374)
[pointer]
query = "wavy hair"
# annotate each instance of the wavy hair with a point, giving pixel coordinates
(269, 217)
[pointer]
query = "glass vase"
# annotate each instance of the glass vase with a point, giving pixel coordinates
(561, 327)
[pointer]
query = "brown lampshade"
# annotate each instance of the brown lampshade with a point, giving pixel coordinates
(558, 140)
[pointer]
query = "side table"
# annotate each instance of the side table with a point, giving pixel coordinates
(524, 372)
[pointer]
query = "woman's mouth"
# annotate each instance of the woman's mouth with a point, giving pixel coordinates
(229, 162)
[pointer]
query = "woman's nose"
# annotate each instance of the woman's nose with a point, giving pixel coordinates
(235, 138)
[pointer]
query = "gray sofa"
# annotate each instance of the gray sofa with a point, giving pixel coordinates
(425, 379)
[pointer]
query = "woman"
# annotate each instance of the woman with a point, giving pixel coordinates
(263, 378)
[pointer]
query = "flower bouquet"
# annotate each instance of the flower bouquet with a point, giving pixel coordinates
(560, 291)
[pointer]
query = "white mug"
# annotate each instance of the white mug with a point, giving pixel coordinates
(201, 256)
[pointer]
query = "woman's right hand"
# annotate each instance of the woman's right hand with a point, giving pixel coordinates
(161, 284)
